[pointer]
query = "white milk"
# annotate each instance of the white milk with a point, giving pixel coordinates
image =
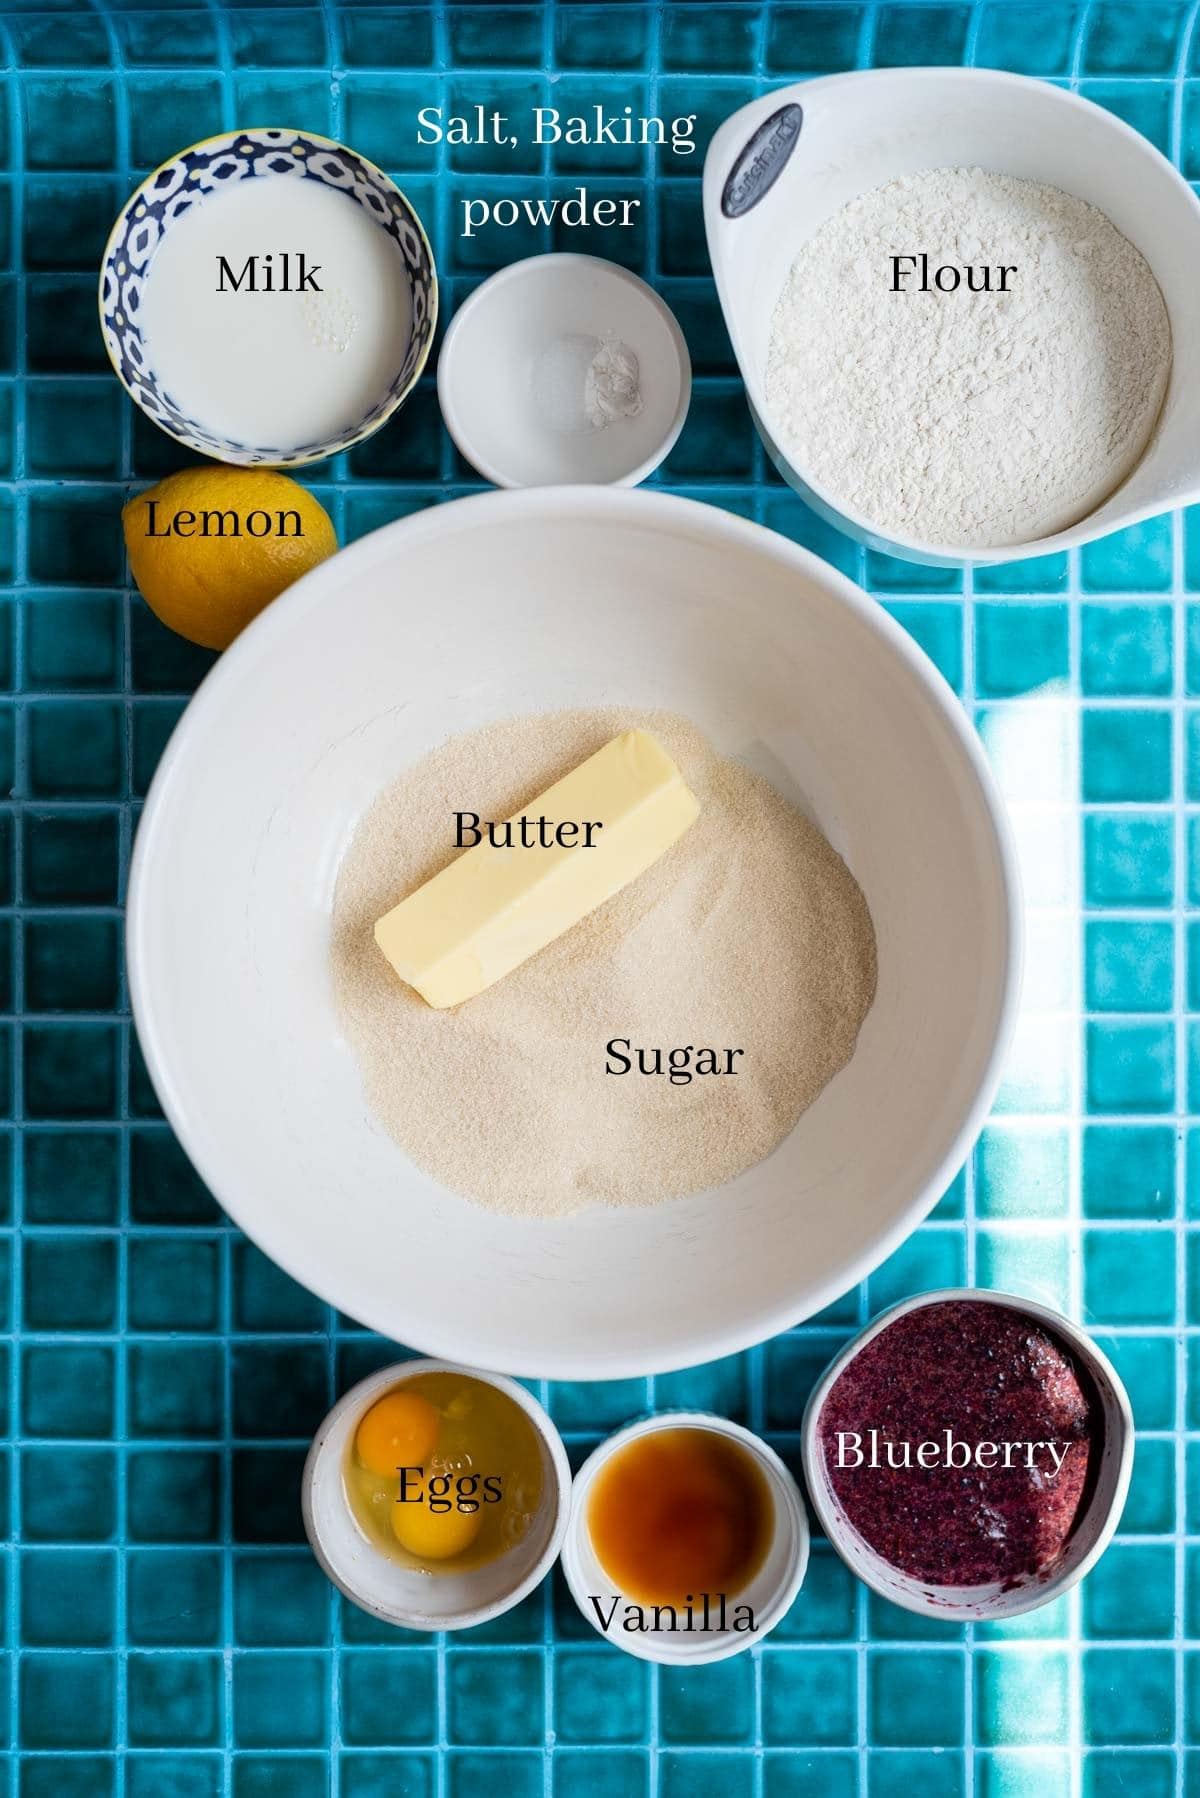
(277, 369)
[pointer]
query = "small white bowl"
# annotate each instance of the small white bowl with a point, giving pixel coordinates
(1088, 1541)
(402, 1595)
(511, 374)
(770, 1593)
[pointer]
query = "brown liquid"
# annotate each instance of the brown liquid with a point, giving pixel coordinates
(680, 1512)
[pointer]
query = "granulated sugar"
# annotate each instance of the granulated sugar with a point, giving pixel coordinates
(968, 419)
(749, 933)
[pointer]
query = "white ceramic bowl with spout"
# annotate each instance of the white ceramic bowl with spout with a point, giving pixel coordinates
(538, 601)
(779, 167)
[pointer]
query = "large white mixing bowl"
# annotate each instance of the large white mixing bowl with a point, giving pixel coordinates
(535, 601)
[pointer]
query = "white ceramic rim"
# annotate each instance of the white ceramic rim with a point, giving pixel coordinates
(383, 1381)
(335, 445)
(867, 530)
(728, 1642)
(908, 1593)
(286, 614)
(514, 271)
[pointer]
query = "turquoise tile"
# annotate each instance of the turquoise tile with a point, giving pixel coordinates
(175, 1700)
(708, 1704)
(70, 1283)
(68, 1598)
(1126, 651)
(1114, 1775)
(814, 40)
(1129, 1276)
(174, 1598)
(174, 1495)
(1021, 1773)
(379, 37)
(387, 1696)
(72, 964)
(1028, 39)
(176, 1389)
(1021, 1697)
(495, 1702)
(1129, 1171)
(809, 1699)
(280, 1701)
(172, 110)
(1036, 1265)
(701, 1775)
(258, 40)
(1147, 42)
(297, 1776)
(67, 1495)
(600, 1697)
(887, 574)
(1128, 1696)
(46, 1722)
(601, 37)
(719, 1386)
(1022, 1171)
(1130, 1066)
(1020, 649)
(920, 34)
(279, 1389)
(932, 1770)
(1127, 756)
(173, 1283)
(406, 1775)
(716, 39)
(1135, 560)
(1130, 860)
(68, 1389)
(1150, 1507)
(915, 1701)
(1146, 1364)
(825, 1774)
(199, 1775)
(1129, 966)
(1040, 574)
(1131, 1593)
(886, 1622)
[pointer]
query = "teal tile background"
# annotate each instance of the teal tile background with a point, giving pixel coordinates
(164, 1632)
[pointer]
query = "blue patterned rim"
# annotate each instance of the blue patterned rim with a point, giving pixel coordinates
(179, 184)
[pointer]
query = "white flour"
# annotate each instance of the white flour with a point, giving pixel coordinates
(968, 419)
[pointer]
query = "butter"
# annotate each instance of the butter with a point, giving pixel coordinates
(492, 909)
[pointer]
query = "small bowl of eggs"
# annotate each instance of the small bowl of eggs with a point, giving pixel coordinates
(436, 1497)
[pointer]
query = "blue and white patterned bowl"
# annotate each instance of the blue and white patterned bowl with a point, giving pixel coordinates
(182, 183)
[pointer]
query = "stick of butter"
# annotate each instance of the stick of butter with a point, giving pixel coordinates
(495, 907)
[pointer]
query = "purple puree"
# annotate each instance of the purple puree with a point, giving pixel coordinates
(987, 1374)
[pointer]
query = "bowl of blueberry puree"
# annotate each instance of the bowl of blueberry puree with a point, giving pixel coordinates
(969, 1454)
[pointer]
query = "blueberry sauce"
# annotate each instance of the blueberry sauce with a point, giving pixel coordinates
(985, 1374)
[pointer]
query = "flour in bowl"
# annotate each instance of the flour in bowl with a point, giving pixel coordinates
(968, 359)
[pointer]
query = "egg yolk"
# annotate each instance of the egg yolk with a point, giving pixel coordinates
(434, 1535)
(400, 1430)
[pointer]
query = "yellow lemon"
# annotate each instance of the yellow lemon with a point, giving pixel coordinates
(434, 1535)
(400, 1430)
(210, 547)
